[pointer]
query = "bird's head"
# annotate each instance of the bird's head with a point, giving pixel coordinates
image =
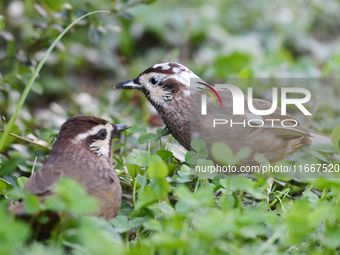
(162, 83)
(95, 134)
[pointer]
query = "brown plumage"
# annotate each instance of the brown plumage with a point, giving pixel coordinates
(167, 87)
(82, 151)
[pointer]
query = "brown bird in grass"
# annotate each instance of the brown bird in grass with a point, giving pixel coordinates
(82, 151)
(167, 87)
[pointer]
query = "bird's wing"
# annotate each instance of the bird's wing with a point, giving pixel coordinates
(289, 129)
(44, 179)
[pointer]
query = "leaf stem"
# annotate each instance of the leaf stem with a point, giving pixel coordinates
(26, 140)
(34, 76)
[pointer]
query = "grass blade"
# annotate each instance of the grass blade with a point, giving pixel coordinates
(34, 76)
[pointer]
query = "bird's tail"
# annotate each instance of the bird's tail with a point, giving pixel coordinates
(317, 138)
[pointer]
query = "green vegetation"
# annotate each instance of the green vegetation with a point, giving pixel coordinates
(159, 214)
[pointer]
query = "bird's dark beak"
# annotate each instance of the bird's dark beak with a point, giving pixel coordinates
(121, 127)
(130, 84)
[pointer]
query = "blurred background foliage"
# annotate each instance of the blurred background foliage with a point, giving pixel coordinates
(215, 39)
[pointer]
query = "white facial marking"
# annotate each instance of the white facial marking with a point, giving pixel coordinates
(159, 95)
(158, 65)
(176, 70)
(100, 147)
(165, 66)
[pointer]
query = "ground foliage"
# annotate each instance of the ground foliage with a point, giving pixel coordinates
(165, 209)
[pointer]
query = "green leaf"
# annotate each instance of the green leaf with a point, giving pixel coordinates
(21, 181)
(243, 153)
(32, 204)
(77, 201)
(203, 153)
(141, 158)
(14, 234)
(4, 185)
(2, 23)
(154, 225)
(34, 76)
(164, 154)
(335, 137)
(162, 132)
(298, 222)
(191, 157)
(117, 146)
(198, 144)
(246, 72)
(54, 204)
(179, 179)
(184, 175)
(158, 169)
(133, 169)
(319, 156)
(222, 153)
(261, 159)
(243, 184)
(323, 147)
(146, 137)
(135, 129)
(27, 132)
(146, 197)
(120, 223)
(184, 171)
(166, 209)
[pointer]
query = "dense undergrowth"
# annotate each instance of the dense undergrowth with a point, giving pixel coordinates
(165, 209)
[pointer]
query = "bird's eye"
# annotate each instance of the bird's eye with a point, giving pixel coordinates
(153, 80)
(102, 134)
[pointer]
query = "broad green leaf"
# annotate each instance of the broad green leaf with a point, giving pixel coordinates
(34, 76)
(32, 204)
(146, 137)
(261, 159)
(157, 170)
(179, 179)
(335, 137)
(243, 153)
(198, 144)
(54, 203)
(243, 184)
(191, 157)
(164, 154)
(153, 224)
(146, 197)
(323, 147)
(203, 153)
(222, 153)
(5, 185)
(77, 201)
(135, 129)
(133, 169)
(14, 234)
(2, 22)
(184, 171)
(319, 156)
(117, 146)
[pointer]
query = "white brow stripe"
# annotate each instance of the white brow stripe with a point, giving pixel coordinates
(92, 131)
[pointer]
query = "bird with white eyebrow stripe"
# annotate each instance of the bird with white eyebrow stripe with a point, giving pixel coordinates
(82, 151)
(167, 87)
